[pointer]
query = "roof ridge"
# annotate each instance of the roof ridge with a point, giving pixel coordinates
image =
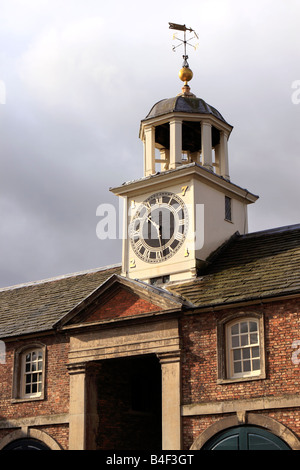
(270, 231)
(59, 277)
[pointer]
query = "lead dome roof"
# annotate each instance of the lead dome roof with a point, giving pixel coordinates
(183, 104)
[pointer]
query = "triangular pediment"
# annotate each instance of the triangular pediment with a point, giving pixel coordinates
(120, 298)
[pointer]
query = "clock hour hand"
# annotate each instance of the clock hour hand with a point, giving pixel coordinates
(158, 228)
(153, 223)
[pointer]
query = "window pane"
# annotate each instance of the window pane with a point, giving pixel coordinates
(253, 326)
(244, 327)
(34, 388)
(28, 357)
(34, 356)
(28, 378)
(33, 366)
(256, 364)
(235, 329)
(244, 340)
(237, 366)
(255, 351)
(246, 353)
(27, 390)
(235, 341)
(40, 365)
(253, 338)
(247, 366)
(237, 355)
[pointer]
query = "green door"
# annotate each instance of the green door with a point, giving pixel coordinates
(246, 438)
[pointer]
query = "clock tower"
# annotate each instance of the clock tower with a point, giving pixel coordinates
(185, 206)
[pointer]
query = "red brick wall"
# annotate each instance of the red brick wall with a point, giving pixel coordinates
(199, 369)
(123, 304)
(56, 399)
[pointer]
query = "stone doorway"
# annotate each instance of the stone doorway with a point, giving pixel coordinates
(128, 403)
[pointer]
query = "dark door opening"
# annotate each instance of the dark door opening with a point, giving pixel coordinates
(129, 404)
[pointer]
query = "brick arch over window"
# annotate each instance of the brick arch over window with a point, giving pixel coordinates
(30, 434)
(264, 422)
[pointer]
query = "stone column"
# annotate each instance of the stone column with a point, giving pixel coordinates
(171, 410)
(77, 407)
(149, 151)
(223, 150)
(175, 143)
(206, 145)
(165, 156)
(92, 416)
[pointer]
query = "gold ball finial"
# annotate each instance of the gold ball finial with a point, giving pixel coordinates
(185, 74)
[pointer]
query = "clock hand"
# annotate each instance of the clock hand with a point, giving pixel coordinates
(153, 223)
(159, 238)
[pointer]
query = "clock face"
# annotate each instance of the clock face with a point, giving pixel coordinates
(158, 228)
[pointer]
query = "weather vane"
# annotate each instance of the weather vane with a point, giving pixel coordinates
(185, 74)
(185, 42)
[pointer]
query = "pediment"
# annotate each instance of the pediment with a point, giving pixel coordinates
(119, 298)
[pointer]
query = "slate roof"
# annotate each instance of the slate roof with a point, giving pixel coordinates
(254, 266)
(183, 104)
(36, 307)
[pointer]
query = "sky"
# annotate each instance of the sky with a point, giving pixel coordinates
(78, 76)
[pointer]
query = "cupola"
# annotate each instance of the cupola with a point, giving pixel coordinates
(185, 129)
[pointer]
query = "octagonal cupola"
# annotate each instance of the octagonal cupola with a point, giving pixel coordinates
(185, 129)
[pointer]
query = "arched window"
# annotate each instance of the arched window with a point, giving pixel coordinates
(29, 372)
(243, 348)
(32, 373)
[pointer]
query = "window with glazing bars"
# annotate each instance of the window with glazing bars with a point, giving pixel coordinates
(228, 214)
(244, 348)
(33, 373)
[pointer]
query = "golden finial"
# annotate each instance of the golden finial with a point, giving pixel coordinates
(185, 73)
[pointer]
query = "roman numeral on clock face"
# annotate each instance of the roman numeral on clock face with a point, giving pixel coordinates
(179, 236)
(139, 245)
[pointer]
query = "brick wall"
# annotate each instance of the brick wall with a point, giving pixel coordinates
(199, 369)
(56, 399)
(123, 304)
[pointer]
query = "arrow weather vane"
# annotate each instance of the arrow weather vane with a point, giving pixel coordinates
(185, 74)
(184, 41)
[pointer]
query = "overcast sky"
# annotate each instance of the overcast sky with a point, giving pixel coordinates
(79, 75)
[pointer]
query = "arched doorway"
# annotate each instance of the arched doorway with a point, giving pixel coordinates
(245, 438)
(26, 444)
